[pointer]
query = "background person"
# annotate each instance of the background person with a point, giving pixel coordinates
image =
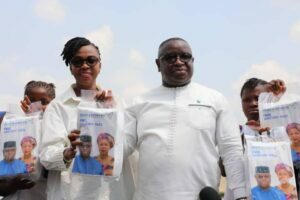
(284, 174)
(249, 94)
(293, 131)
(22, 187)
(105, 143)
(37, 91)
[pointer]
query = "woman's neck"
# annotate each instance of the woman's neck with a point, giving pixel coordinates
(104, 156)
(295, 146)
(27, 157)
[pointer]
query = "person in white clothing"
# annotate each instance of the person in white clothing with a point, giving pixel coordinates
(60, 124)
(180, 129)
(249, 94)
(31, 187)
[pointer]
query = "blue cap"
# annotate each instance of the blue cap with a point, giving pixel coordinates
(85, 138)
(9, 144)
(262, 169)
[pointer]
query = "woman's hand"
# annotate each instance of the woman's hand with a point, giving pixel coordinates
(25, 104)
(106, 98)
(69, 153)
(276, 86)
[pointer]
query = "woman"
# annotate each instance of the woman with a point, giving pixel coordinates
(28, 143)
(60, 123)
(106, 142)
(284, 173)
(293, 131)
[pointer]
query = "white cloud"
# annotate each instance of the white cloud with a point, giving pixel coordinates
(51, 10)
(103, 38)
(295, 31)
(31, 74)
(130, 83)
(6, 99)
(8, 64)
(268, 71)
(15, 84)
(136, 57)
(286, 2)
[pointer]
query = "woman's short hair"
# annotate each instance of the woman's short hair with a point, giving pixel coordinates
(72, 46)
(286, 167)
(291, 126)
(30, 139)
(108, 137)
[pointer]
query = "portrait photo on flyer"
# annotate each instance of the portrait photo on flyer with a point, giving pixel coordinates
(18, 143)
(98, 149)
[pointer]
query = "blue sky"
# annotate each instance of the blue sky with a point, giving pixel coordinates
(231, 41)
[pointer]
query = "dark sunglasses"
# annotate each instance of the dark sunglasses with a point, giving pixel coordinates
(90, 61)
(171, 58)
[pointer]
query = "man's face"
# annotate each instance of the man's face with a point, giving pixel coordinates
(175, 63)
(85, 149)
(250, 102)
(9, 154)
(263, 180)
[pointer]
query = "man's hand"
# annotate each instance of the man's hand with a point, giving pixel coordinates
(276, 86)
(255, 125)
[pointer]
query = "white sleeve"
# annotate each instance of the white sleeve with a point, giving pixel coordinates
(54, 139)
(230, 148)
(130, 131)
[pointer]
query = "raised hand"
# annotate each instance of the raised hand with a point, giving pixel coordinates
(25, 104)
(276, 86)
(106, 97)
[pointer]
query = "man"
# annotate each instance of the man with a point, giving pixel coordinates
(249, 94)
(84, 163)
(263, 190)
(9, 165)
(178, 128)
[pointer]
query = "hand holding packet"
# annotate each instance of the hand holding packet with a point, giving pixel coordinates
(101, 150)
(99, 156)
(274, 113)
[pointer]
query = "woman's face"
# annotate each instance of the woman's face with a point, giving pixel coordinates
(27, 148)
(294, 135)
(283, 176)
(86, 75)
(104, 146)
